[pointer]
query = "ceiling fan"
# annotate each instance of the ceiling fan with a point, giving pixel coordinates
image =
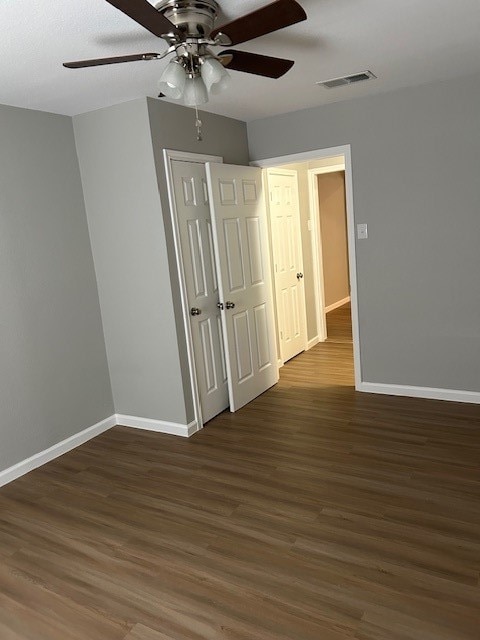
(188, 28)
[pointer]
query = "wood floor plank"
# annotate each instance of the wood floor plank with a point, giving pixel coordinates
(314, 513)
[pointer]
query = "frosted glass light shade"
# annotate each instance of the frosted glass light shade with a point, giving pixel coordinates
(173, 79)
(215, 77)
(195, 92)
(221, 85)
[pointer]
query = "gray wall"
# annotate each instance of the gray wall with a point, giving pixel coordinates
(415, 155)
(53, 370)
(121, 162)
(129, 249)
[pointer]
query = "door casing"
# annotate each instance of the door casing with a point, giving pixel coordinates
(317, 246)
(331, 152)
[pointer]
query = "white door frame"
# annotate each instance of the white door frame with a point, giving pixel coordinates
(317, 246)
(320, 154)
(169, 155)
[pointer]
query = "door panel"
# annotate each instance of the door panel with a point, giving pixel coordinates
(255, 250)
(197, 258)
(243, 345)
(208, 354)
(261, 329)
(241, 243)
(234, 255)
(285, 227)
(196, 239)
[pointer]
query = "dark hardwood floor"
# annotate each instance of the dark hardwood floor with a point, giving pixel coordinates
(315, 513)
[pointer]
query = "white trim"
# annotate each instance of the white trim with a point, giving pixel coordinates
(337, 305)
(318, 154)
(317, 255)
(332, 168)
(450, 395)
(159, 426)
(280, 363)
(352, 260)
(186, 156)
(169, 155)
(41, 458)
(313, 342)
(57, 450)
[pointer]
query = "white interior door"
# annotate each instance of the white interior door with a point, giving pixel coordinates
(284, 209)
(196, 238)
(243, 267)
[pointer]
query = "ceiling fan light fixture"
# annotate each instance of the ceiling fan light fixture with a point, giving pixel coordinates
(188, 28)
(214, 75)
(195, 92)
(172, 82)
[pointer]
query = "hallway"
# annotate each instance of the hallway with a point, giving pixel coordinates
(315, 513)
(339, 324)
(328, 364)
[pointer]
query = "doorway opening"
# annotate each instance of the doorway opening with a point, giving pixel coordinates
(328, 211)
(325, 200)
(248, 243)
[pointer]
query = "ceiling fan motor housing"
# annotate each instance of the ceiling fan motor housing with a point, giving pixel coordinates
(195, 18)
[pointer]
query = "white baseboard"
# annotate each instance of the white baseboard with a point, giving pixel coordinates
(39, 459)
(57, 450)
(159, 426)
(451, 395)
(312, 343)
(337, 305)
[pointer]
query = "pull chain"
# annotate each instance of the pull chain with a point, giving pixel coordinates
(198, 124)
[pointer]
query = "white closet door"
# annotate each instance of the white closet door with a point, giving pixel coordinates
(196, 238)
(288, 261)
(243, 267)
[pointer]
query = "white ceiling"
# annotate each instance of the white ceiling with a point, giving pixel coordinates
(404, 42)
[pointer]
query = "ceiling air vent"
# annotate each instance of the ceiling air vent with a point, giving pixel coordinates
(346, 80)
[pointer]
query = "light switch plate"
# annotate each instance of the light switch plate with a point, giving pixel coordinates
(362, 231)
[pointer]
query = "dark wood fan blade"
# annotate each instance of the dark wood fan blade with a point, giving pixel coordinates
(80, 64)
(274, 16)
(254, 63)
(146, 15)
